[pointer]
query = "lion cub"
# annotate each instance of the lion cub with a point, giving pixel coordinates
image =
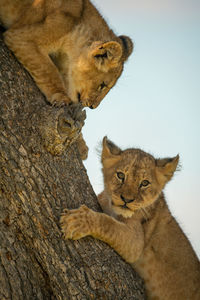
(140, 226)
(66, 46)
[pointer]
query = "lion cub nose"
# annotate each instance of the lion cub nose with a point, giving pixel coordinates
(126, 200)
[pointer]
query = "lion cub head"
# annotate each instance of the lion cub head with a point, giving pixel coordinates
(95, 71)
(133, 179)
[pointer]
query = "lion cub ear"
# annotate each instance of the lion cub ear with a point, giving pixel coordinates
(127, 46)
(106, 55)
(165, 168)
(110, 153)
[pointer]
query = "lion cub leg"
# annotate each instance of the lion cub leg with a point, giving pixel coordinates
(32, 43)
(81, 222)
(37, 61)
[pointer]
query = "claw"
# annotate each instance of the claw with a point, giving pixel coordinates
(58, 104)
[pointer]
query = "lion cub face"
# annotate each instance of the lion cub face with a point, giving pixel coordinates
(96, 71)
(133, 179)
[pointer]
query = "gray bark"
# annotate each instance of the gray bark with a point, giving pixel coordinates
(35, 187)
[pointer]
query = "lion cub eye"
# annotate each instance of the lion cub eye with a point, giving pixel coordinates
(102, 86)
(121, 176)
(144, 183)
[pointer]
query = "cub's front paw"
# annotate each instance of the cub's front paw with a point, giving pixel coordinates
(59, 99)
(71, 122)
(77, 223)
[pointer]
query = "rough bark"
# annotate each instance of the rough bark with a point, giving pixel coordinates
(35, 187)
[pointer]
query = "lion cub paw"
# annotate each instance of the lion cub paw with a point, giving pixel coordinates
(77, 223)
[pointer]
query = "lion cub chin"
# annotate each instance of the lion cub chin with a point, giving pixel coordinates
(138, 224)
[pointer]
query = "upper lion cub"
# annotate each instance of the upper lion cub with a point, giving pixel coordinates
(140, 226)
(67, 47)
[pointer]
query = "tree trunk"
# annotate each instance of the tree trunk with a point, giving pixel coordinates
(35, 187)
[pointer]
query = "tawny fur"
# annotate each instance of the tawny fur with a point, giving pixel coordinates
(66, 46)
(137, 223)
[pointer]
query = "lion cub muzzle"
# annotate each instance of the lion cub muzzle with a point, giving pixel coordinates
(126, 200)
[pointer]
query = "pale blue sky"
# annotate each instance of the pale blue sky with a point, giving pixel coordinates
(155, 105)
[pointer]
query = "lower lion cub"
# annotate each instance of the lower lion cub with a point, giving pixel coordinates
(138, 224)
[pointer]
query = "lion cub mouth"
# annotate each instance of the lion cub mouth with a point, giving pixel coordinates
(123, 210)
(123, 206)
